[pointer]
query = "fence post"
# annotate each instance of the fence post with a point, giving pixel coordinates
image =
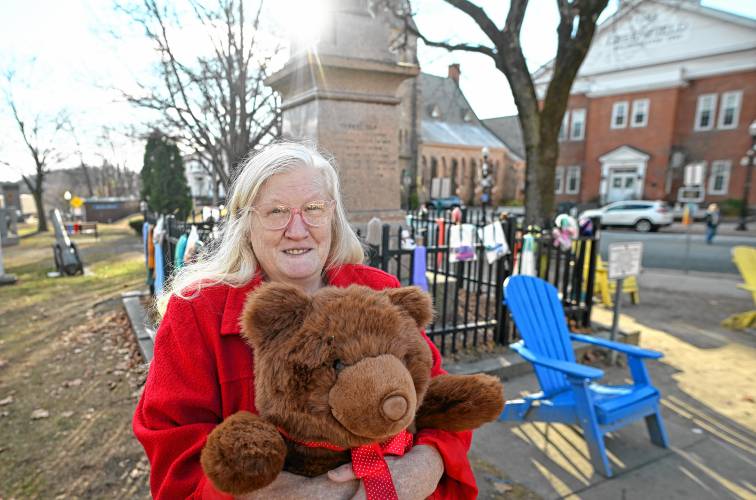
(501, 325)
(591, 280)
(373, 239)
(385, 247)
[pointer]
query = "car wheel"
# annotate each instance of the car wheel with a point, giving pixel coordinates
(643, 226)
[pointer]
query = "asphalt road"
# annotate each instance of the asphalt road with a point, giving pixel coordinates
(669, 250)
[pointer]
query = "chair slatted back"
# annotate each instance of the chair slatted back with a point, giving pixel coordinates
(540, 318)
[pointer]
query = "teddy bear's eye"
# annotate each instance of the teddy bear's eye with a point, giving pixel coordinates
(338, 365)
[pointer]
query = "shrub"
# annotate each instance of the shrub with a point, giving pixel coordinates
(730, 207)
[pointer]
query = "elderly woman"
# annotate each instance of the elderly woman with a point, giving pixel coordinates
(285, 223)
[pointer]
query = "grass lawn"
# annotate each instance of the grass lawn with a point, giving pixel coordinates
(69, 373)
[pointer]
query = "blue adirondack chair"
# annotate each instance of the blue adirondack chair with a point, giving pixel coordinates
(569, 394)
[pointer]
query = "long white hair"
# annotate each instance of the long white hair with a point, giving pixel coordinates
(230, 259)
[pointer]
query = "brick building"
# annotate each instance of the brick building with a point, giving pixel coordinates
(451, 142)
(441, 142)
(663, 99)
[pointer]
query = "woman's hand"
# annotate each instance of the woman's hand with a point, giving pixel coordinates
(289, 486)
(415, 475)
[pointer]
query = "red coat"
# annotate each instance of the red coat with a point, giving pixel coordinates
(202, 372)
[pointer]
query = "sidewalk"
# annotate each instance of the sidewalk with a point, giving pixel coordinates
(708, 382)
(724, 229)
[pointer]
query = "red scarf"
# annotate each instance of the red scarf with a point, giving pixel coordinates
(368, 462)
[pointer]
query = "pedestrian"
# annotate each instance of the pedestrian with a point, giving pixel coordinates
(712, 221)
(285, 223)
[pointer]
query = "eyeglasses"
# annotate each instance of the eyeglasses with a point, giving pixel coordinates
(275, 216)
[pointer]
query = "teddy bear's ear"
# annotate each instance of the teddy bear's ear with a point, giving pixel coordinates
(272, 309)
(414, 301)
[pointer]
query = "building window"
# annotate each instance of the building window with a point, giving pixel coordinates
(578, 125)
(573, 180)
(565, 126)
(619, 114)
(705, 109)
(640, 113)
(719, 180)
(729, 111)
(559, 180)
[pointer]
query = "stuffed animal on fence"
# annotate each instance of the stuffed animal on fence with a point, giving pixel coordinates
(342, 375)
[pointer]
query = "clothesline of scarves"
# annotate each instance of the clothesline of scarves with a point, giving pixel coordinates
(462, 245)
(154, 237)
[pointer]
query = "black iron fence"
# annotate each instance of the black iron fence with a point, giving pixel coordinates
(174, 229)
(467, 295)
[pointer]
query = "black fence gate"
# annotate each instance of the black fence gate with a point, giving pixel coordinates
(468, 296)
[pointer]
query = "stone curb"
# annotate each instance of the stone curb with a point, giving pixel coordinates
(145, 333)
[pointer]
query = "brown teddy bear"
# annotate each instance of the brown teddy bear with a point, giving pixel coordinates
(335, 373)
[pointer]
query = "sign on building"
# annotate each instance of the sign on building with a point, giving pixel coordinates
(625, 259)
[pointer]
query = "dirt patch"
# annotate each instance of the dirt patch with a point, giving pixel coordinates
(66, 413)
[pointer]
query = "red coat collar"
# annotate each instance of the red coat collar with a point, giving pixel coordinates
(230, 323)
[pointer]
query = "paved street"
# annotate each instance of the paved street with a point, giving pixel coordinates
(667, 249)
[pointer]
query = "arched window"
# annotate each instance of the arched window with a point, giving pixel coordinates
(434, 174)
(454, 174)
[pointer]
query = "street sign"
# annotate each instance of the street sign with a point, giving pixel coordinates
(625, 259)
(76, 202)
(690, 194)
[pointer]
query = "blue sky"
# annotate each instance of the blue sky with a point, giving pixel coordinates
(66, 56)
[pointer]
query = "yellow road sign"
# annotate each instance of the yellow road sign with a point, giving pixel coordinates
(76, 202)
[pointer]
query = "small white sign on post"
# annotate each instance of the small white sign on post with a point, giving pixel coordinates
(625, 259)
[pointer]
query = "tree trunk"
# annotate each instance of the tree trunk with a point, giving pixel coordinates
(87, 179)
(41, 216)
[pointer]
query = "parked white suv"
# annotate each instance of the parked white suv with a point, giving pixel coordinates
(643, 215)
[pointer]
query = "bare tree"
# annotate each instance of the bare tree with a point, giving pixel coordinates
(540, 120)
(39, 137)
(216, 104)
(82, 165)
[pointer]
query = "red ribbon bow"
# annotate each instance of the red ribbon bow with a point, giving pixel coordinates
(368, 463)
(370, 466)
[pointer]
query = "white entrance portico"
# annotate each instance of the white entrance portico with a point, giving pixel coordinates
(623, 174)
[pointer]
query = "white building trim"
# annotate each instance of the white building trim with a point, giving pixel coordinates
(620, 113)
(730, 100)
(625, 159)
(719, 168)
(641, 107)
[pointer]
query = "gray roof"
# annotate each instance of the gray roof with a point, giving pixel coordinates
(507, 128)
(451, 127)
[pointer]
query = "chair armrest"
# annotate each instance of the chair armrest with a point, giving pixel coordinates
(566, 367)
(630, 350)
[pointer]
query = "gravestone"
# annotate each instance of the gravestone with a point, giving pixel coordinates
(5, 279)
(341, 92)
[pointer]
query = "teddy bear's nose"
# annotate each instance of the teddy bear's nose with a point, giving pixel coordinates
(394, 407)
